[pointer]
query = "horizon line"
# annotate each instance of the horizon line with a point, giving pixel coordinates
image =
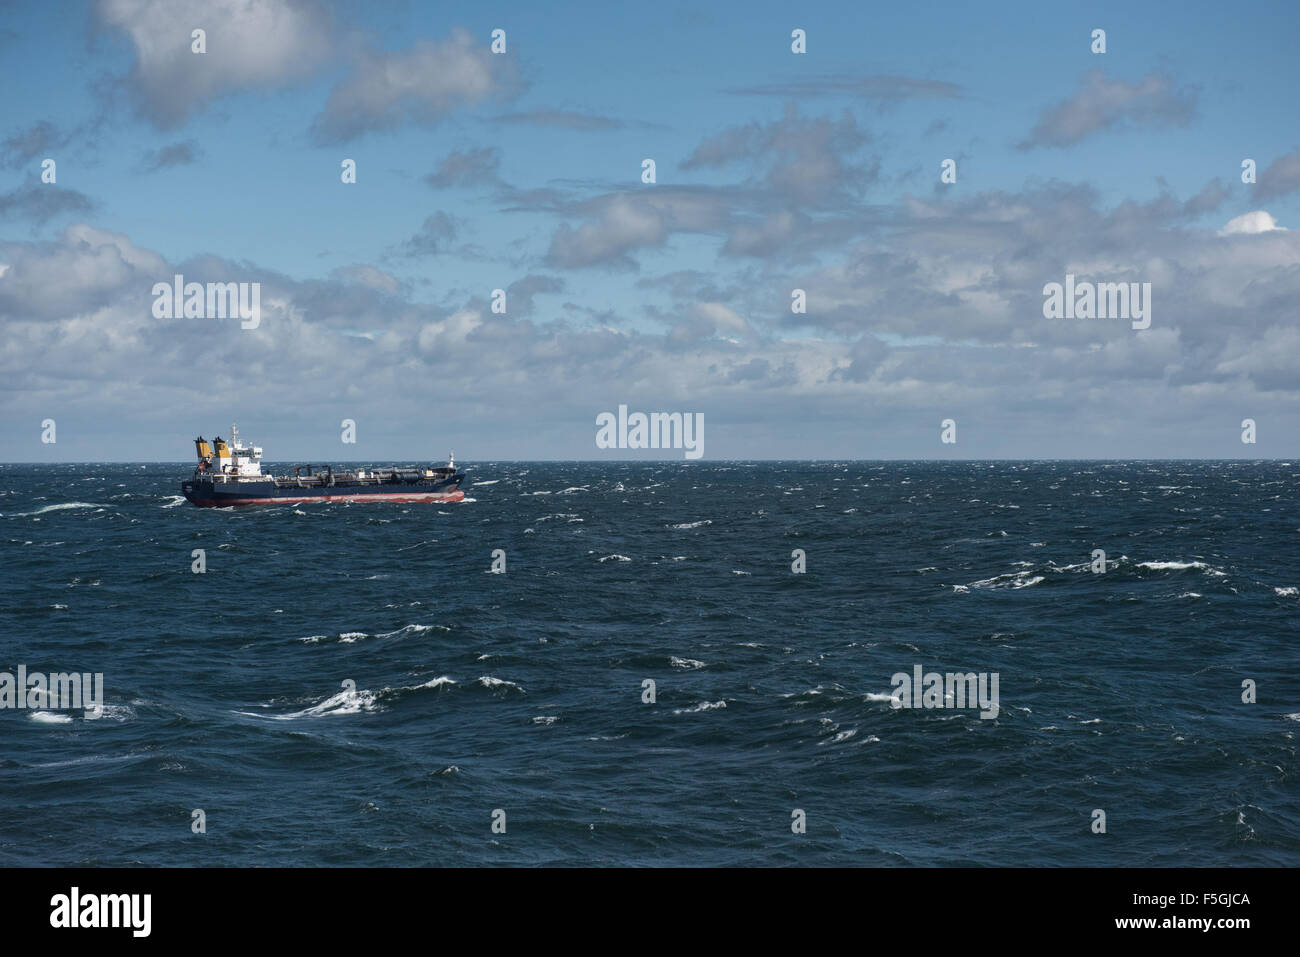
(662, 461)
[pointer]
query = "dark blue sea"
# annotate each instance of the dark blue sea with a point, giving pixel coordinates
(353, 685)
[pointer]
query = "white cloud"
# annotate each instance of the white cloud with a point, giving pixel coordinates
(621, 223)
(1258, 221)
(938, 313)
(250, 44)
(421, 86)
(1102, 103)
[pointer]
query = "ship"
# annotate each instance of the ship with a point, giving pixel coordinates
(230, 474)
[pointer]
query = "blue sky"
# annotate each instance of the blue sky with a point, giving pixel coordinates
(774, 171)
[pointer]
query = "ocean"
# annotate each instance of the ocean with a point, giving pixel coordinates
(649, 681)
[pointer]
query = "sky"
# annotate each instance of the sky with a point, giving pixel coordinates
(774, 171)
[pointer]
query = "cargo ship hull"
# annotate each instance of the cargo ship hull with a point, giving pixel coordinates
(226, 495)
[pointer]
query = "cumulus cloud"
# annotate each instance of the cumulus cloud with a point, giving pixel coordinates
(1259, 221)
(943, 310)
(421, 86)
(620, 223)
(251, 44)
(1102, 103)
(85, 270)
(959, 283)
(917, 304)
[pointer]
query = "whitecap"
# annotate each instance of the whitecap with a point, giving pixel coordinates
(437, 682)
(63, 506)
(488, 681)
(345, 702)
(702, 706)
(1180, 566)
(414, 629)
(1021, 579)
(113, 712)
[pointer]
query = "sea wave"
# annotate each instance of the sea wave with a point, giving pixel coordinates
(1183, 566)
(1024, 578)
(487, 681)
(702, 706)
(61, 507)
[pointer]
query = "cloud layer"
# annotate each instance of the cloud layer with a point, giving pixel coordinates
(1102, 103)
